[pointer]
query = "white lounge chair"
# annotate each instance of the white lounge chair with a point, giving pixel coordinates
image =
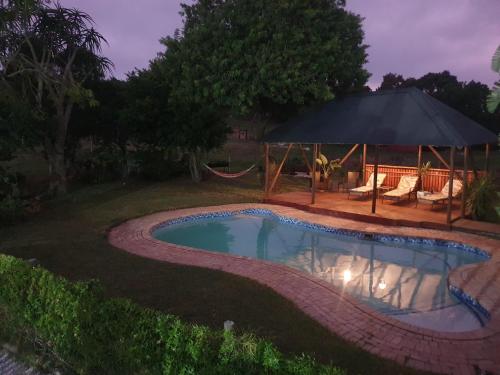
(368, 188)
(441, 196)
(406, 186)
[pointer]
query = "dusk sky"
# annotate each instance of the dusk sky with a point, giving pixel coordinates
(407, 37)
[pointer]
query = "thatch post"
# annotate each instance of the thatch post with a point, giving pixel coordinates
(375, 176)
(450, 184)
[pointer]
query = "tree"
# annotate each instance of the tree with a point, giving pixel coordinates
(158, 121)
(392, 81)
(494, 97)
(261, 57)
(15, 129)
(47, 54)
(470, 98)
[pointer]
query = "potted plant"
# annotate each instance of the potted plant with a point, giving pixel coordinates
(327, 170)
(422, 172)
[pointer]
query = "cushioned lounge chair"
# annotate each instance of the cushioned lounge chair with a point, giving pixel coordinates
(442, 196)
(407, 185)
(368, 188)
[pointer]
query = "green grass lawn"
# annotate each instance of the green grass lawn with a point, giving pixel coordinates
(69, 238)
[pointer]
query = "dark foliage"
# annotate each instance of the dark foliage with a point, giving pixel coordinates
(470, 98)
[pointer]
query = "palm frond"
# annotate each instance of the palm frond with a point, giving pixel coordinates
(493, 100)
(495, 61)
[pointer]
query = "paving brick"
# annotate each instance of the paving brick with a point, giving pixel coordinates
(452, 353)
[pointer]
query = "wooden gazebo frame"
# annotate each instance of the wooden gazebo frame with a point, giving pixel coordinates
(270, 181)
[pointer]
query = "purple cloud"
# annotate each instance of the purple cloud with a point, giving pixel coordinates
(413, 38)
(132, 28)
(406, 37)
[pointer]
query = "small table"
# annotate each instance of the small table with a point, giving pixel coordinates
(421, 195)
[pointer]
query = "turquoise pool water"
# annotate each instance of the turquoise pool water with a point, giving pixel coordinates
(408, 282)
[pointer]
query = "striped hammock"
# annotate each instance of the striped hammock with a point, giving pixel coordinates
(229, 175)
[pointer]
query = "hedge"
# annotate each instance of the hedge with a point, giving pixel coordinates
(96, 335)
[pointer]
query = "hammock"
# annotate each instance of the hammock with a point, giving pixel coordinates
(229, 175)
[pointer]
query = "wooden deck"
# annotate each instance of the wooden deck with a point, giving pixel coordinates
(402, 213)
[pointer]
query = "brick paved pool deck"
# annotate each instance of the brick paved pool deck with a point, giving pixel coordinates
(440, 352)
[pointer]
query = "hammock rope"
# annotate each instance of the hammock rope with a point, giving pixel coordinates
(229, 175)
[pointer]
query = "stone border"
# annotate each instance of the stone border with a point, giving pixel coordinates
(444, 352)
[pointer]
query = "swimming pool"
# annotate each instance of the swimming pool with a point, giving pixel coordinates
(403, 278)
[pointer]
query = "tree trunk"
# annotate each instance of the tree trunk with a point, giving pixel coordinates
(125, 164)
(58, 179)
(55, 149)
(194, 168)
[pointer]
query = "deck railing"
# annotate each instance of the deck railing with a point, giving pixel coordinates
(434, 180)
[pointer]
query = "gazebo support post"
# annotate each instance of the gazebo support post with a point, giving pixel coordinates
(472, 164)
(487, 157)
(266, 170)
(419, 161)
(441, 159)
(313, 177)
(364, 164)
(419, 165)
(375, 175)
(450, 184)
(465, 181)
(348, 155)
(304, 156)
(280, 167)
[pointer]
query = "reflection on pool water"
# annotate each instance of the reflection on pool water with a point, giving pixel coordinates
(408, 282)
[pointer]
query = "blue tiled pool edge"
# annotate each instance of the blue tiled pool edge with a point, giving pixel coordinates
(384, 238)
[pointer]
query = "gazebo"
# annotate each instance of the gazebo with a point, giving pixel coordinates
(399, 117)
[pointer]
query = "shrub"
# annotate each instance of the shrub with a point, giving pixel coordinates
(94, 335)
(482, 198)
(105, 163)
(11, 210)
(158, 165)
(11, 205)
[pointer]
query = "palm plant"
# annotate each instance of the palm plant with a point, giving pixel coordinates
(494, 98)
(422, 171)
(328, 167)
(482, 198)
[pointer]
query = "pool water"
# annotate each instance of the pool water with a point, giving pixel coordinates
(405, 281)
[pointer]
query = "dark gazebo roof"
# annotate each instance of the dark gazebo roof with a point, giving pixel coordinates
(392, 117)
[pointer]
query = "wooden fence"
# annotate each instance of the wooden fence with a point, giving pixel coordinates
(434, 180)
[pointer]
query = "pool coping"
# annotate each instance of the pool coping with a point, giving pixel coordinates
(444, 352)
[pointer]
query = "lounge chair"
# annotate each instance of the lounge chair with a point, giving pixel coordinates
(441, 196)
(368, 188)
(406, 186)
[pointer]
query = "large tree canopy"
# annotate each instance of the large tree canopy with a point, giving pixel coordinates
(159, 121)
(256, 56)
(470, 98)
